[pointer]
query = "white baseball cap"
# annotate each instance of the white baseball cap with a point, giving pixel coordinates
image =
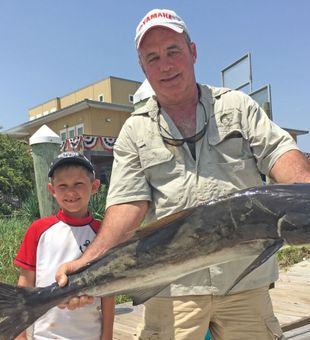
(159, 17)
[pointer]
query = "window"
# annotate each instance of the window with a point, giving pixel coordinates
(130, 98)
(63, 134)
(101, 98)
(79, 129)
(71, 132)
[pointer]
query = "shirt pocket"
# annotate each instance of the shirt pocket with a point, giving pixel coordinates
(230, 144)
(163, 172)
(231, 163)
(152, 155)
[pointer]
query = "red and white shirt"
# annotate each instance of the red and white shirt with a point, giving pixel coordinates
(47, 244)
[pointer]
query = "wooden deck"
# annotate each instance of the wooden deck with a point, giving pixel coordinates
(290, 297)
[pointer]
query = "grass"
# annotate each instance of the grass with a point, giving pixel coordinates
(12, 231)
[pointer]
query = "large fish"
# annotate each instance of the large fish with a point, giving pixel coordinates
(255, 221)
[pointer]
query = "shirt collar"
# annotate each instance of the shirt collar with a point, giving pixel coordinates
(73, 221)
(208, 95)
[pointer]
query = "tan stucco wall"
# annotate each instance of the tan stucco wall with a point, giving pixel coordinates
(45, 108)
(108, 123)
(114, 90)
(121, 89)
(103, 87)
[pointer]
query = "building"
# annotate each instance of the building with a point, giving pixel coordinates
(88, 119)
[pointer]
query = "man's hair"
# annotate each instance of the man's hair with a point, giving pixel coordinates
(188, 39)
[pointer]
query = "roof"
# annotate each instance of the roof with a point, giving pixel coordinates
(19, 130)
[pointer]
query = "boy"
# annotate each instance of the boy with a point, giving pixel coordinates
(52, 240)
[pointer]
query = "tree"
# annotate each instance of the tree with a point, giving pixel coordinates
(16, 173)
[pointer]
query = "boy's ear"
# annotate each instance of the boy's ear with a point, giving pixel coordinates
(51, 189)
(95, 186)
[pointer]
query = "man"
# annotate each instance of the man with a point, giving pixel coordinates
(188, 144)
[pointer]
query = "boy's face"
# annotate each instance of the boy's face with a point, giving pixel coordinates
(72, 188)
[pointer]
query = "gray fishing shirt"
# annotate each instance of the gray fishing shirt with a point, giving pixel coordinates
(240, 144)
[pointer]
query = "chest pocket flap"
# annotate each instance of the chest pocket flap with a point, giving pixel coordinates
(225, 125)
(154, 154)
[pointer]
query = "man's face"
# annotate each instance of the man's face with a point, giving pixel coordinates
(168, 62)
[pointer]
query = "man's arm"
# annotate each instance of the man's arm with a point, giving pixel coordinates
(118, 225)
(291, 167)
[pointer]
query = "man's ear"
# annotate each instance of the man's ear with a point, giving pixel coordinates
(95, 185)
(51, 189)
(194, 51)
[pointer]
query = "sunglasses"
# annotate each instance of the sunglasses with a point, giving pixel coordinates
(180, 141)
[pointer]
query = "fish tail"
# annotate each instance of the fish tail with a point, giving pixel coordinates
(16, 313)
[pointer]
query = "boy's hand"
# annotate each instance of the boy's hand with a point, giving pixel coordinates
(62, 279)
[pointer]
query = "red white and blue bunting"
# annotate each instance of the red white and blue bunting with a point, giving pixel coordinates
(98, 143)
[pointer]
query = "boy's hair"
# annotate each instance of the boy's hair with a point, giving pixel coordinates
(71, 158)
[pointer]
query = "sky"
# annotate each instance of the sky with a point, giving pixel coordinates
(50, 48)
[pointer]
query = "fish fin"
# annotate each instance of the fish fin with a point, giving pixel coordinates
(15, 313)
(141, 296)
(259, 260)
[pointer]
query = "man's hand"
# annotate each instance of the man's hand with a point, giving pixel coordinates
(62, 279)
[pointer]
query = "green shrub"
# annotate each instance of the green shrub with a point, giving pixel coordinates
(291, 255)
(6, 209)
(97, 203)
(16, 173)
(30, 207)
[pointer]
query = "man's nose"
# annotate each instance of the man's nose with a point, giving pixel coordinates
(166, 64)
